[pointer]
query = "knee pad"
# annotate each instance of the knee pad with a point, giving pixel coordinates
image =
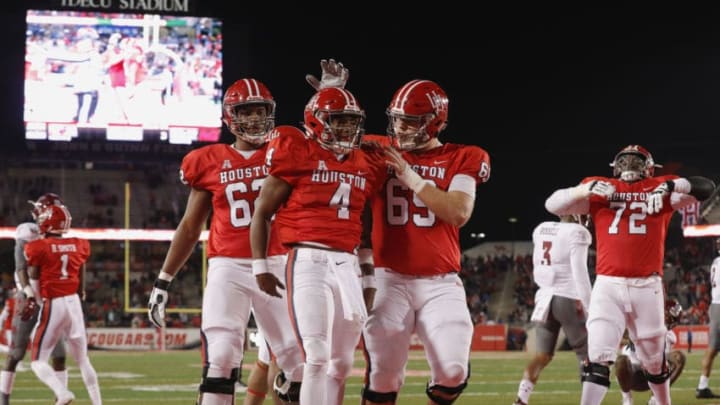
(317, 351)
(442, 395)
(377, 397)
(286, 390)
(596, 373)
(219, 385)
(660, 378)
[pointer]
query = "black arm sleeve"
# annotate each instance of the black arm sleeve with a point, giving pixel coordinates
(702, 187)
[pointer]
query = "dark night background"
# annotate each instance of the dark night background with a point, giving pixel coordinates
(551, 94)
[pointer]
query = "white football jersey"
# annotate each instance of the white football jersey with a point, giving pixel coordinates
(554, 244)
(27, 231)
(24, 233)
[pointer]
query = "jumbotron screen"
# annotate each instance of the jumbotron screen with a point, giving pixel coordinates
(122, 77)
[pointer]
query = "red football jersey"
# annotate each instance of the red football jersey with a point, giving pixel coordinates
(59, 261)
(234, 182)
(630, 242)
(328, 195)
(402, 222)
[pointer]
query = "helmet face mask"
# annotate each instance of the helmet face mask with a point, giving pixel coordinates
(252, 121)
(408, 132)
(249, 111)
(342, 131)
(633, 163)
(335, 120)
(417, 113)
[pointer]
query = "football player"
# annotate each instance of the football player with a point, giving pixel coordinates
(703, 390)
(560, 253)
(225, 180)
(322, 180)
(631, 213)
(56, 268)
(416, 250)
(26, 298)
(631, 377)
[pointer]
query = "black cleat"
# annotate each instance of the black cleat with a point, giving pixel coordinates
(705, 393)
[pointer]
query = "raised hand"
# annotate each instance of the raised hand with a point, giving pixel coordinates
(334, 74)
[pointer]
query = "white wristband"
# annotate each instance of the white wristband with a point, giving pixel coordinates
(259, 266)
(412, 179)
(369, 282)
(28, 291)
(365, 256)
(165, 276)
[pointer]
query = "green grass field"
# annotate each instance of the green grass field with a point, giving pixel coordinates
(172, 378)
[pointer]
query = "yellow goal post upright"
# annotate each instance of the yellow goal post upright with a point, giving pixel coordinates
(144, 235)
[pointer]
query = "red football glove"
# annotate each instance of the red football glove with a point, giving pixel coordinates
(30, 309)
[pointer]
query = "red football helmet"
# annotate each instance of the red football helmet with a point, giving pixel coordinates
(417, 113)
(54, 219)
(335, 119)
(248, 123)
(44, 201)
(633, 163)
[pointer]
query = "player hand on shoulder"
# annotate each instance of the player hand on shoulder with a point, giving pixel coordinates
(268, 283)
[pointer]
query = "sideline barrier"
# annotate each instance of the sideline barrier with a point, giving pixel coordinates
(142, 338)
(700, 335)
(489, 337)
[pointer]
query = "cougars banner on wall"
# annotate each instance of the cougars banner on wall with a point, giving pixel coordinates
(142, 338)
